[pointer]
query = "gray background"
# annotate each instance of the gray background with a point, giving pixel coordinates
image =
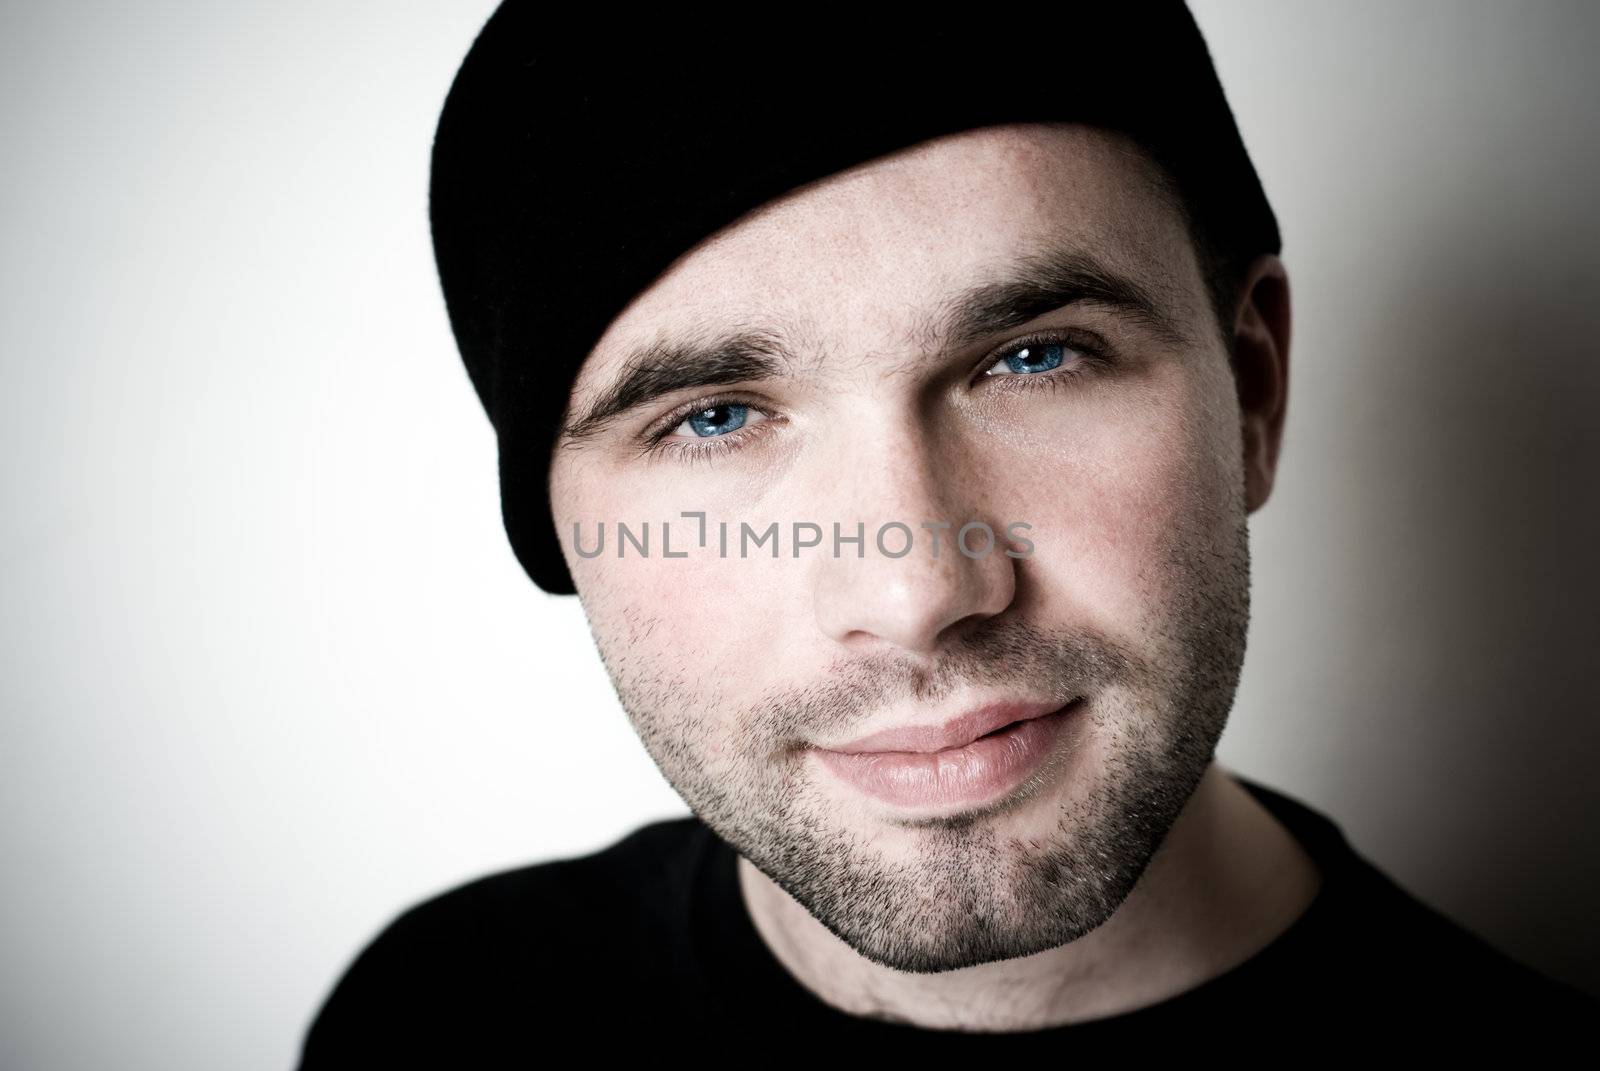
(272, 673)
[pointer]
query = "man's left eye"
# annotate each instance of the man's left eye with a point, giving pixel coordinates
(1033, 357)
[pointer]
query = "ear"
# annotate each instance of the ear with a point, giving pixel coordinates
(1261, 372)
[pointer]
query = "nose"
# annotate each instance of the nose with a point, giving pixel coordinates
(919, 600)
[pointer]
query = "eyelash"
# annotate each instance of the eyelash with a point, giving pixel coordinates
(1092, 356)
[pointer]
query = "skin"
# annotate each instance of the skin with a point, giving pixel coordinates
(1129, 868)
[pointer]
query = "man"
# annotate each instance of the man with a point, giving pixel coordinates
(945, 384)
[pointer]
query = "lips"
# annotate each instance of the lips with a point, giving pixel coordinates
(988, 770)
(955, 733)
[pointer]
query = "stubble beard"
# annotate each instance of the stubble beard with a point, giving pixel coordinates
(969, 893)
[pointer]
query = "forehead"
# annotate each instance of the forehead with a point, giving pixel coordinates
(857, 255)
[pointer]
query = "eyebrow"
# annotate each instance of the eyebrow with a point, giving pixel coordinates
(1033, 283)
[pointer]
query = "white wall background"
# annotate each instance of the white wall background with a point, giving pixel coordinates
(272, 674)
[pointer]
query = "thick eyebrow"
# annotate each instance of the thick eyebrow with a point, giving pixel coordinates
(1036, 282)
(666, 367)
(1032, 284)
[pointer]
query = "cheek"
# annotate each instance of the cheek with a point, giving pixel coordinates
(688, 640)
(1139, 498)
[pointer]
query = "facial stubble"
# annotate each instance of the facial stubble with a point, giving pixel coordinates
(969, 893)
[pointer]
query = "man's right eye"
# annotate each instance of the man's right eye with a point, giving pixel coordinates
(723, 420)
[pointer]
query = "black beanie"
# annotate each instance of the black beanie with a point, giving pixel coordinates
(571, 169)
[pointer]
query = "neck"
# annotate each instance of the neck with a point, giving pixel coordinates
(1226, 881)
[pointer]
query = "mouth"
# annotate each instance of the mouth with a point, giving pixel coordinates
(961, 731)
(995, 732)
(983, 768)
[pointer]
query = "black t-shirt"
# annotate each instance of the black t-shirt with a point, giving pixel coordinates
(648, 942)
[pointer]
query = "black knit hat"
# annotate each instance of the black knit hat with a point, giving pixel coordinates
(571, 169)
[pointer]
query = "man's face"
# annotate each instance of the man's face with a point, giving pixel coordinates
(1105, 418)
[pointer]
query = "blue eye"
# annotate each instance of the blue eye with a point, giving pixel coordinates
(713, 425)
(717, 419)
(1033, 357)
